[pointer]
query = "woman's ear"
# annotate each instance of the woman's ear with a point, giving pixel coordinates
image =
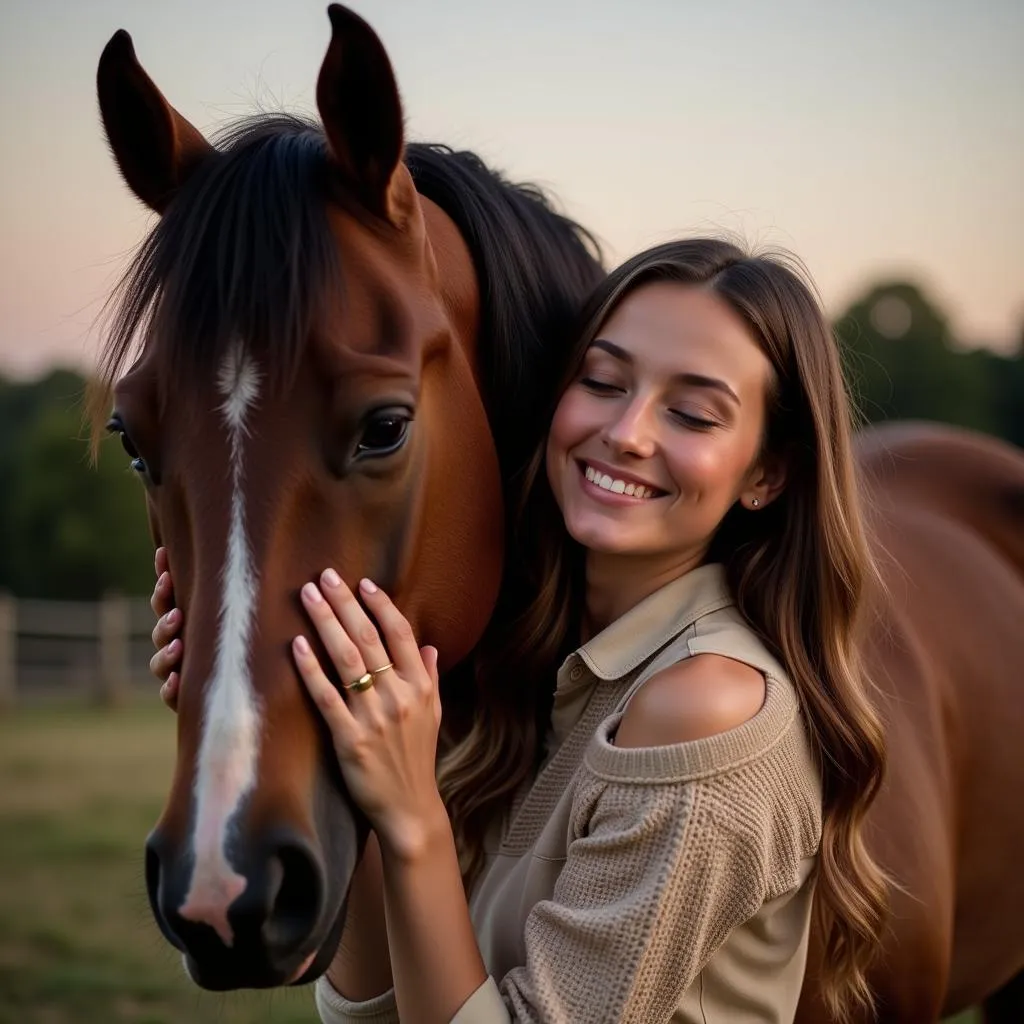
(765, 482)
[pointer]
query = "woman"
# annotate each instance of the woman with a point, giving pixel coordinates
(676, 749)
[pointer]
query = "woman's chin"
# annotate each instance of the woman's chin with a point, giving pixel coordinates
(605, 538)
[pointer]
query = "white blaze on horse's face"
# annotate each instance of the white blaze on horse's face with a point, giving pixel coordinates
(226, 769)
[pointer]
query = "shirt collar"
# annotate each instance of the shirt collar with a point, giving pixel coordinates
(660, 617)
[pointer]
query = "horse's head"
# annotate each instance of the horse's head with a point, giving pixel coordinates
(303, 396)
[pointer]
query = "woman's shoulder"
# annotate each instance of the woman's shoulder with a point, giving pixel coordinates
(695, 698)
(711, 681)
(712, 702)
(716, 677)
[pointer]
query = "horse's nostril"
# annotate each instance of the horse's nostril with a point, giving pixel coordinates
(154, 879)
(295, 898)
(152, 871)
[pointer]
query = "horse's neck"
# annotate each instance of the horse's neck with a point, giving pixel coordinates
(456, 279)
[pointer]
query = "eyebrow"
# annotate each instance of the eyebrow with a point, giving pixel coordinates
(697, 380)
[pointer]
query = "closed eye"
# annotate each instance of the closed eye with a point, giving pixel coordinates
(599, 386)
(693, 422)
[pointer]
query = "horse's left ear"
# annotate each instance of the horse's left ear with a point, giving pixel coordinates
(357, 96)
(154, 146)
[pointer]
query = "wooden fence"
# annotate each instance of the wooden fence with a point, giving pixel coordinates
(49, 648)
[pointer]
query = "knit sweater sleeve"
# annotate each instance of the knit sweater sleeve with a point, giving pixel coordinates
(334, 1008)
(663, 863)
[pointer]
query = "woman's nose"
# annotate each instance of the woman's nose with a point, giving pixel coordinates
(633, 431)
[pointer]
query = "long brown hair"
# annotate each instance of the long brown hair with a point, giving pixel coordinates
(799, 572)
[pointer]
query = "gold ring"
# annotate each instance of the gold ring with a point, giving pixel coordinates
(364, 682)
(383, 668)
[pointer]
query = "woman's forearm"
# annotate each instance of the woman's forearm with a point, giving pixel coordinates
(361, 968)
(434, 955)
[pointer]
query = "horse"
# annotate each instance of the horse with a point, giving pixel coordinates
(945, 649)
(346, 345)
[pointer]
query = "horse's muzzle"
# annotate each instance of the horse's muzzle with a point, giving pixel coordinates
(262, 937)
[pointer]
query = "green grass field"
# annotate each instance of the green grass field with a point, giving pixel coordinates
(80, 789)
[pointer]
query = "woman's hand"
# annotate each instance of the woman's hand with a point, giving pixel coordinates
(384, 733)
(168, 646)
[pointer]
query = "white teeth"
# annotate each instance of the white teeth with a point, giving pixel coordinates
(606, 483)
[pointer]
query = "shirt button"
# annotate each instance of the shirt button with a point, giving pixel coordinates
(576, 672)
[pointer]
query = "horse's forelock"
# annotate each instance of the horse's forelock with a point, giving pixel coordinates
(245, 253)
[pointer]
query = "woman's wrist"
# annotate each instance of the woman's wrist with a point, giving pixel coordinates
(408, 839)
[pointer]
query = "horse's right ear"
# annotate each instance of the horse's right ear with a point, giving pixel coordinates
(154, 146)
(357, 96)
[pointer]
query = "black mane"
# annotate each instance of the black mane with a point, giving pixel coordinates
(534, 266)
(245, 252)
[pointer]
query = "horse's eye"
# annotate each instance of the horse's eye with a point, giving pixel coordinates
(384, 433)
(115, 426)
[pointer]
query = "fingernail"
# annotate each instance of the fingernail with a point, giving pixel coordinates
(162, 582)
(172, 617)
(173, 647)
(311, 594)
(367, 586)
(301, 645)
(331, 578)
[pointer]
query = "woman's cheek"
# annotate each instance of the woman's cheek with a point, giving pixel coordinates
(564, 435)
(700, 465)
(564, 423)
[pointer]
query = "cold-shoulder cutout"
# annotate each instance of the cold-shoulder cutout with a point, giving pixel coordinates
(695, 698)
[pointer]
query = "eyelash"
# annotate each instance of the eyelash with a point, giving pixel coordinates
(600, 387)
(693, 422)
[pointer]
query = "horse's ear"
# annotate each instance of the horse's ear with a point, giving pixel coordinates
(154, 146)
(357, 96)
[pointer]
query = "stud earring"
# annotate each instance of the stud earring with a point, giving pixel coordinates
(754, 502)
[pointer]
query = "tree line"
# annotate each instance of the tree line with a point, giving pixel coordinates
(73, 529)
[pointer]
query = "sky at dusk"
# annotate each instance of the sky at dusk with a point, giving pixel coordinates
(873, 139)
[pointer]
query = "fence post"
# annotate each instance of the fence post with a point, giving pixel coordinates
(112, 683)
(8, 651)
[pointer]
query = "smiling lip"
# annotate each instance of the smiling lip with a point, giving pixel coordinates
(626, 480)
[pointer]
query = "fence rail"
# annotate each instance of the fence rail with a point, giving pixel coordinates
(101, 648)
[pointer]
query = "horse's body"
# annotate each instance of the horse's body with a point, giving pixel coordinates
(947, 651)
(307, 302)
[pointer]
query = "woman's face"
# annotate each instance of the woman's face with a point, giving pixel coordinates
(659, 433)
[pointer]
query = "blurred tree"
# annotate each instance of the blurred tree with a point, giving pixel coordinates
(902, 362)
(70, 529)
(20, 405)
(1008, 385)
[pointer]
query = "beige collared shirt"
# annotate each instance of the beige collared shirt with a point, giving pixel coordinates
(651, 884)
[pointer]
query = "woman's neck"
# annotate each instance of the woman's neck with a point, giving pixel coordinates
(616, 583)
